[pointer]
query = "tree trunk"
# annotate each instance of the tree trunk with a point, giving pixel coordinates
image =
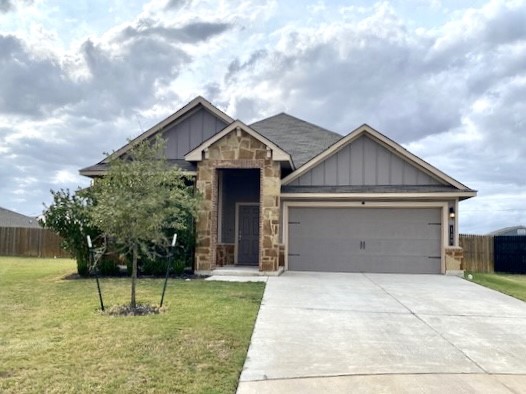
(133, 304)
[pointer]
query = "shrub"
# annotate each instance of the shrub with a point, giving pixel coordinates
(68, 217)
(107, 266)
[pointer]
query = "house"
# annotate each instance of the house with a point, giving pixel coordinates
(14, 219)
(284, 194)
(507, 231)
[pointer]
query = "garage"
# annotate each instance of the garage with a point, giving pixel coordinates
(378, 240)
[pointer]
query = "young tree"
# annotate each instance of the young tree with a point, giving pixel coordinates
(68, 217)
(140, 197)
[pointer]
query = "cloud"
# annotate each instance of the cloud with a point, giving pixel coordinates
(10, 5)
(31, 85)
(5, 6)
(191, 33)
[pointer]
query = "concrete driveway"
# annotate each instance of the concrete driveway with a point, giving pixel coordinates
(326, 332)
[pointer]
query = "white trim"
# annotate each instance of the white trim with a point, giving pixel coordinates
(390, 144)
(278, 154)
(456, 224)
(236, 228)
(374, 204)
(359, 196)
(172, 118)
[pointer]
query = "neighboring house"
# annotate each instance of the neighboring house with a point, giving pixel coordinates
(515, 230)
(284, 194)
(13, 219)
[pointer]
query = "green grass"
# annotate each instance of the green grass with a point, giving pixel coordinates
(513, 285)
(53, 338)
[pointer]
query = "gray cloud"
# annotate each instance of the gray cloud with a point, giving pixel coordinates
(123, 83)
(10, 5)
(31, 85)
(190, 33)
(508, 26)
(391, 78)
(5, 6)
(175, 4)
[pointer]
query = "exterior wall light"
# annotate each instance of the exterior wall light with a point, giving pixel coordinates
(452, 213)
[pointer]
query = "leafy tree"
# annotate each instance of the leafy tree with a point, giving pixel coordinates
(68, 217)
(139, 199)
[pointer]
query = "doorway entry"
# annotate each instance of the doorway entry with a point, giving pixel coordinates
(239, 215)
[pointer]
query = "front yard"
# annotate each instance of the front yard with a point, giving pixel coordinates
(513, 285)
(53, 338)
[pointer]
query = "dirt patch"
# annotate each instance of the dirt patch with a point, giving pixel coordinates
(72, 276)
(139, 310)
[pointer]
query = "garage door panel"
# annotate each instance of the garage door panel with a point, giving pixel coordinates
(401, 247)
(365, 240)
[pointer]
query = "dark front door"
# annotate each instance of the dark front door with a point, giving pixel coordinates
(248, 235)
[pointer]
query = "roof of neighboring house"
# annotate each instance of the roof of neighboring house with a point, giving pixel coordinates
(507, 230)
(14, 219)
(301, 139)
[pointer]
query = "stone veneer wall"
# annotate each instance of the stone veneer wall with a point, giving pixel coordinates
(238, 149)
(225, 254)
(454, 258)
(282, 255)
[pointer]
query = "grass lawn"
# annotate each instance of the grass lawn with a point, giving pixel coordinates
(513, 285)
(53, 338)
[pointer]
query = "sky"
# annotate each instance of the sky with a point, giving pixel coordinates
(446, 79)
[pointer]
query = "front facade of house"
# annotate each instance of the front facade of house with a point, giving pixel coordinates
(284, 194)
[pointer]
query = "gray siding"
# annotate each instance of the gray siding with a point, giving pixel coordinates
(364, 162)
(186, 135)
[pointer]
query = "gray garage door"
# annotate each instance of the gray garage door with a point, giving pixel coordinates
(364, 240)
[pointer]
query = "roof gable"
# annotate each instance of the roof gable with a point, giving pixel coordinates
(303, 140)
(184, 130)
(188, 109)
(277, 153)
(367, 157)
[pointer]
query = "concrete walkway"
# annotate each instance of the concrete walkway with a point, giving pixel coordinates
(321, 332)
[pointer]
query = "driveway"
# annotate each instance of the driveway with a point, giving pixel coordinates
(329, 332)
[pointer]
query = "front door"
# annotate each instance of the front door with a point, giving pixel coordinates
(248, 235)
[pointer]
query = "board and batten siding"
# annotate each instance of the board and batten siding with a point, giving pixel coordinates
(364, 162)
(186, 135)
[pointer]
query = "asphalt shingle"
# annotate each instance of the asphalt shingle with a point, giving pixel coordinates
(14, 219)
(302, 140)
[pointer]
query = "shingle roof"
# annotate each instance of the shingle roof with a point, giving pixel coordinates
(13, 219)
(302, 140)
(103, 167)
(507, 230)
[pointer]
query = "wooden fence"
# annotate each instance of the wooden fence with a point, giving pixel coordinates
(30, 242)
(478, 252)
